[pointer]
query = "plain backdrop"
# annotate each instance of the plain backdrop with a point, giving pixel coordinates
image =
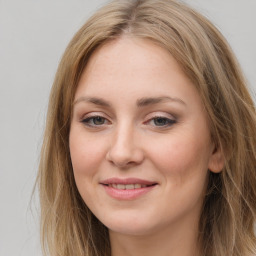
(33, 36)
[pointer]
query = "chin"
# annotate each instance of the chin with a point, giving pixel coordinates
(131, 230)
(130, 225)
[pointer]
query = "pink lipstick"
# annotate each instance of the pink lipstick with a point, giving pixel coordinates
(127, 189)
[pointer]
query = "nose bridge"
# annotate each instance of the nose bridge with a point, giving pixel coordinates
(124, 150)
(124, 134)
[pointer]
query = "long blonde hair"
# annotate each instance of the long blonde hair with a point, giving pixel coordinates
(227, 219)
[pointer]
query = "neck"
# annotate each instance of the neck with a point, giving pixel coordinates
(169, 241)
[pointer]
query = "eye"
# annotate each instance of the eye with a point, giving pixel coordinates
(95, 121)
(161, 121)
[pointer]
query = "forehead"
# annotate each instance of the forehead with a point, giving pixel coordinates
(130, 64)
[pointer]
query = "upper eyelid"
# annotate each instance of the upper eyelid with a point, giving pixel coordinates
(94, 114)
(151, 115)
(161, 114)
(147, 117)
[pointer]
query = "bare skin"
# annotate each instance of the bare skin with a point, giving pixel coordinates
(138, 117)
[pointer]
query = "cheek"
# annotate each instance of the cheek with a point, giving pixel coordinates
(86, 153)
(183, 163)
(181, 156)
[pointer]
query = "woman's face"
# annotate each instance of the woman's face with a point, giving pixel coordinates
(139, 141)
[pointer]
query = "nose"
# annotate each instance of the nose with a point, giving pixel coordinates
(125, 151)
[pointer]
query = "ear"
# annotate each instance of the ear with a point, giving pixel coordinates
(216, 160)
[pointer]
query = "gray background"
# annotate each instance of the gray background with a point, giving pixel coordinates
(33, 36)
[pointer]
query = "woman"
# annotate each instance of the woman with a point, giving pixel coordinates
(149, 146)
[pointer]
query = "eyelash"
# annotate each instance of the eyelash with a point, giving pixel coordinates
(90, 121)
(168, 121)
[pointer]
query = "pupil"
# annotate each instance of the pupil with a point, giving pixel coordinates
(98, 120)
(160, 121)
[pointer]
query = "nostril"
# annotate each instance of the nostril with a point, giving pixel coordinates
(124, 157)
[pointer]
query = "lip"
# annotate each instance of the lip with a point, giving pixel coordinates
(127, 194)
(127, 181)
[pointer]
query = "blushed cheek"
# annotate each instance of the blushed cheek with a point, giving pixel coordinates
(84, 161)
(85, 155)
(180, 159)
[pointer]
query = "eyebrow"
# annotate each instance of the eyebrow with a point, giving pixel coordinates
(145, 101)
(94, 100)
(155, 100)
